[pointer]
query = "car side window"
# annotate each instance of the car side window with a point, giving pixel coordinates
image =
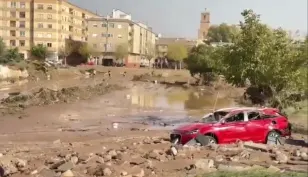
(254, 116)
(236, 118)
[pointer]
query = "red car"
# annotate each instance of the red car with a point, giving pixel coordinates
(260, 125)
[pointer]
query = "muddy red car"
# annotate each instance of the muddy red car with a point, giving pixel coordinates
(260, 125)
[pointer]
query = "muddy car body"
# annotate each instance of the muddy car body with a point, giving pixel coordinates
(260, 125)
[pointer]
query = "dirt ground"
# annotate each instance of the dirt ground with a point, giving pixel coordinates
(70, 132)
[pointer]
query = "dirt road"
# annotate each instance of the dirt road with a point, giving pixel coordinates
(67, 135)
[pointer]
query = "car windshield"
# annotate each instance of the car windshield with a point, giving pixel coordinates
(214, 117)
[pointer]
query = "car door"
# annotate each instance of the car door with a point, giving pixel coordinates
(233, 128)
(255, 127)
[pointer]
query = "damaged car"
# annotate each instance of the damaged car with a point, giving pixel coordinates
(229, 125)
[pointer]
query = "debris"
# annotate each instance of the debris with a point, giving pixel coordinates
(281, 157)
(204, 164)
(256, 146)
(68, 173)
(273, 169)
(66, 166)
(107, 172)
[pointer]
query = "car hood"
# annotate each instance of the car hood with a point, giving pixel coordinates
(193, 126)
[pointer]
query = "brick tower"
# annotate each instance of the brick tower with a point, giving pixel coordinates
(204, 25)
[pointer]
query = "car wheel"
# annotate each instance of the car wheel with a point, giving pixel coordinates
(273, 137)
(206, 140)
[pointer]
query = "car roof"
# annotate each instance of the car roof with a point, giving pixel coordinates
(238, 109)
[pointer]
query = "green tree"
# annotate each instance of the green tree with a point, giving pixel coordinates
(177, 52)
(150, 52)
(2, 47)
(267, 58)
(121, 52)
(86, 51)
(11, 56)
(223, 33)
(65, 51)
(202, 62)
(39, 51)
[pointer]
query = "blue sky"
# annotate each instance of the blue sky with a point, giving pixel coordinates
(180, 18)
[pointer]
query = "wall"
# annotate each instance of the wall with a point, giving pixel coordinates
(7, 73)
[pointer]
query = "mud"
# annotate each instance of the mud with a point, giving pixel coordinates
(73, 123)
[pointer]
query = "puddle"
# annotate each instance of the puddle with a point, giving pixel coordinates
(191, 102)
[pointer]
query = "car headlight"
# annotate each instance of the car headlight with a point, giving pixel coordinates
(193, 131)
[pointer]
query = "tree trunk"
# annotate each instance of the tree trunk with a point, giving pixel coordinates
(65, 61)
(149, 64)
(180, 65)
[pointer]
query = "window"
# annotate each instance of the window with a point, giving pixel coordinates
(110, 35)
(120, 36)
(13, 4)
(22, 43)
(22, 14)
(12, 23)
(39, 35)
(107, 46)
(104, 25)
(40, 16)
(12, 43)
(48, 35)
(119, 26)
(49, 16)
(111, 25)
(22, 33)
(254, 116)
(49, 7)
(40, 25)
(236, 118)
(22, 24)
(94, 35)
(49, 26)
(13, 14)
(22, 5)
(94, 25)
(12, 33)
(40, 6)
(49, 44)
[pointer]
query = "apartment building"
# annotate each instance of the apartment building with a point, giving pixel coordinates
(25, 23)
(107, 33)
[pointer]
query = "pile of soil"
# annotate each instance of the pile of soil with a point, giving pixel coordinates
(17, 102)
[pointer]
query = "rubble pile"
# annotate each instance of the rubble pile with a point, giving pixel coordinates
(45, 96)
(137, 160)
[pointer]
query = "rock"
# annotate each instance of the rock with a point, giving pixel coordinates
(219, 158)
(204, 164)
(245, 154)
(7, 167)
(74, 160)
(1, 155)
(56, 164)
(234, 159)
(68, 173)
(281, 157)
(303, 155)
(34, 172)
(107, 157)
(297, 153)
(83, 158)
(256, 146)
(107, 172)
(20, 163)
(65, 167)
(273, 169)
(112, 153)
(124, 173)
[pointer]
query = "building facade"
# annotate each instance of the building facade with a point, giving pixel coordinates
(26, 23)
(108, 33)
(205, 24)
